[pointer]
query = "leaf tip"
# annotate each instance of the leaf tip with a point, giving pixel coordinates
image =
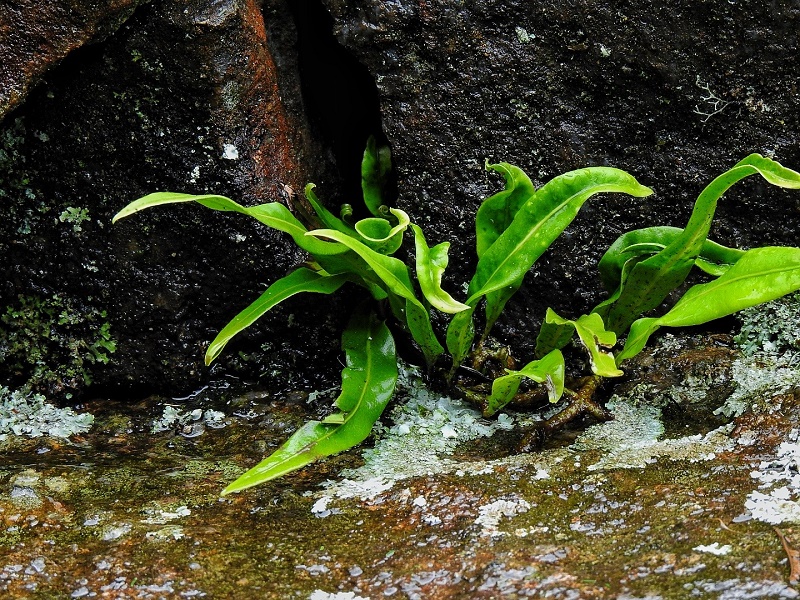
(644, 191)
(232, 488)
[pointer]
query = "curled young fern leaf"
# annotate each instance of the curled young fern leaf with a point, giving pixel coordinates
(431, 264)
(379, 235)
(548, 370)
(326, 217)
(376, 166)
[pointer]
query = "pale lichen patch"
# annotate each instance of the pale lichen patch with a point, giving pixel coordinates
(779, 499)
(631, 440)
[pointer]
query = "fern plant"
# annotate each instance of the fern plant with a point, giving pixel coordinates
(513, 229)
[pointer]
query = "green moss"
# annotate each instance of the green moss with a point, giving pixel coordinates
(17, 192)
(12, 161)
(199, 468)
(74, 216)
(50, 344)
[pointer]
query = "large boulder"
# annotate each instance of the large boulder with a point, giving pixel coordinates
(253, 99)
(674, 92)
(185, 96)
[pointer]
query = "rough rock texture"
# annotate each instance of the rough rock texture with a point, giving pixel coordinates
(36, 36)
(553, 86)
(245, 97)
(638, 507)
(186, 96)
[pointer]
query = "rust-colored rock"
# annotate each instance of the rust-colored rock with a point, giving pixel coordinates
(37, 35)
(185, 96)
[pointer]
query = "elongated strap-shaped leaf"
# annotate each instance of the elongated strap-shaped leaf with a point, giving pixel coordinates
(368, 382)
(301, 280)
(651, 280)
(548, 370)
(636, 246)
(540, 221)
(493, 218)
(375, 169)
(535, 226)
(431, 264)
(713, 257)
(497, 212)
(416, 320)
(761, 275)
(326, 217)
(460, 334)
(272, 214)
(419, 324)
(394, 275)
(379, 235)
(556, 331)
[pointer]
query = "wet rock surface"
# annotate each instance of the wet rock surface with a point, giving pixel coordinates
(254, 99)
(674, 93)
(679, 496)
(632, 508)
(37, 36)
(184, 97)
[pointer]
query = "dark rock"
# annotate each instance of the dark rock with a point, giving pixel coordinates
(554, 86)
(674, 93)
(186, 96)
(37, 35)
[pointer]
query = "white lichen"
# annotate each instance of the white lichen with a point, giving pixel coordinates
(716, 549)
(770, 339)
(158, 516)
(770, 328)
(759, 378)
(778, 500)
(23, 413)
(522, 35)
(173, 417)
(631, 440)
(321, 595)
(426, 428)
(230, 152)
(490, 515)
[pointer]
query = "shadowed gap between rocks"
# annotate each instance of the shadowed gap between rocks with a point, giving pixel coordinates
(339, 94)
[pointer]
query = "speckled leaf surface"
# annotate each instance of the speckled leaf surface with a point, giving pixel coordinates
(651, 280)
